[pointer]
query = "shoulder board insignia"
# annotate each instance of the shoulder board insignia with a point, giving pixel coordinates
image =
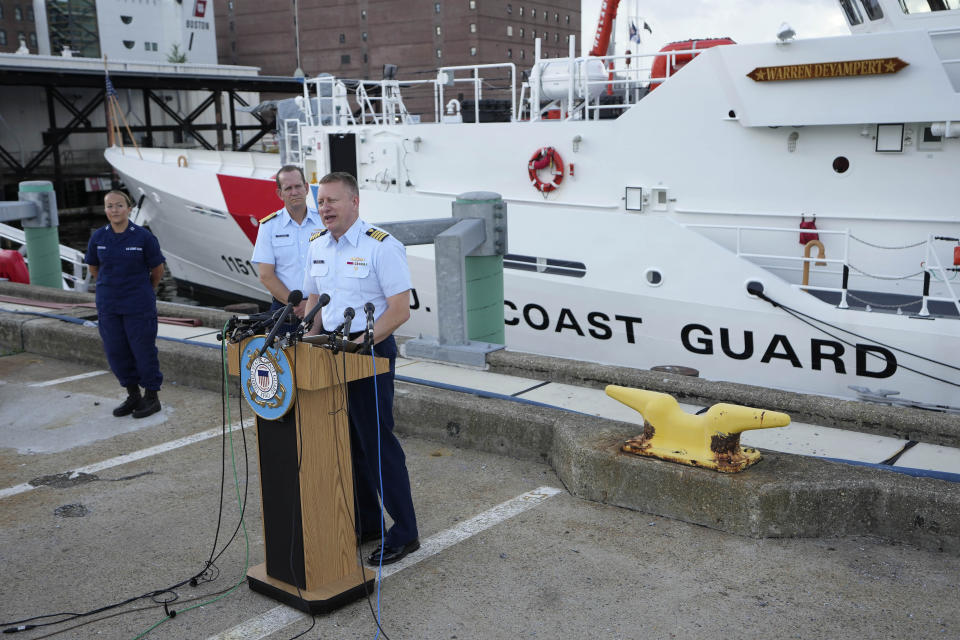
(317, 234)
(269, 217)
(377, 234)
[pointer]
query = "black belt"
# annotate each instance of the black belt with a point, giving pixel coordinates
(351, 336)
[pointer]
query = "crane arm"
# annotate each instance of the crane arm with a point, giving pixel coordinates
(608, 11)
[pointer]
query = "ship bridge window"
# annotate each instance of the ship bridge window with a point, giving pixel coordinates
(851, 11)
(872, 7)
(924, 6)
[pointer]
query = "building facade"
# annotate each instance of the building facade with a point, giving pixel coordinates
(152, 31)
(355, 39)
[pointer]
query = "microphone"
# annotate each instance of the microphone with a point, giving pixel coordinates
(368, 309)
(344, 327)
(308, 320)
(292, 300)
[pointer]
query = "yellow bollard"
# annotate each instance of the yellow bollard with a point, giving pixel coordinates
(710, 440)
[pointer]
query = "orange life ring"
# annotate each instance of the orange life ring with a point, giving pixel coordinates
(543, 158)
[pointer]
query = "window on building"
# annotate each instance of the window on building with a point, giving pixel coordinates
(29, 14)
(533, 13)
(556, 17)
(473, 27)
(523, 54)
(1, 11)
(509, 53)
(556, 36)
(345, 58)
(153, 46)
(436, 7)
(533, 34)
(146, 46)
(343, 38)
(17, 13)
(3, 36)
(363, 14)
(32, 39)
(521, 32)
(568, 19)
(364, 58)
(436, 30)
(439, 53)
(472, 4)
(473, 51)
(509, 8)
(510, 30)
(546, 36)
(521, 12)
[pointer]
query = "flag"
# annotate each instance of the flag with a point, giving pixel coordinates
(111, 92)
(634, 32)
(647, 27)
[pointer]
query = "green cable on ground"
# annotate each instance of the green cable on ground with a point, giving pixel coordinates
(236, 484)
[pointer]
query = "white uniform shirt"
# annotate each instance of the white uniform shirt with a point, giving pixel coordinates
(285, 244)
(356, 270)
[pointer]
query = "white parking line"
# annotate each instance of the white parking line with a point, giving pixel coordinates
(280, 617)
(131, 457)
(80, 376)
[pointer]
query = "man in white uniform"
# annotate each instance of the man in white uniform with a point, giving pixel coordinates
(355, 263)
(283, 238)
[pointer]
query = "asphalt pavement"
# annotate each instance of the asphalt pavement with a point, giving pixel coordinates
(97, 510)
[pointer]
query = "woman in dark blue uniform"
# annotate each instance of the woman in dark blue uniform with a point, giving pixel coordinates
(126, 262)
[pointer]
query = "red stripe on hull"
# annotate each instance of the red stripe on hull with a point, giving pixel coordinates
(248, 200)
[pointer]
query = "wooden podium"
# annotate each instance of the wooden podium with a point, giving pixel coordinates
(308, 517)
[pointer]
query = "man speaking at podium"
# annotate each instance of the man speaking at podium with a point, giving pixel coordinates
(355, 264)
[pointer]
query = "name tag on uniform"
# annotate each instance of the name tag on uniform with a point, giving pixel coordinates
(282, 235)
(318, 262)
(133, 248)
(101, 247)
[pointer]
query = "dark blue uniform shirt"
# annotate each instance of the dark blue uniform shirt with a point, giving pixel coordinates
(124, 261)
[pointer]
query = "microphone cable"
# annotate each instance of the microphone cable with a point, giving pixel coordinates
(201, 576)
(345, 407)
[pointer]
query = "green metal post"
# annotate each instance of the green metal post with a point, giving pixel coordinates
(484, 276)
(42, 234)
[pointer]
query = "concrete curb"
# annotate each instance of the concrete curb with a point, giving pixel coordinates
(898, 422)
(783, 496)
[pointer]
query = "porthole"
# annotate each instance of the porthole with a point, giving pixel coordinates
(653, 277)
(841, 164)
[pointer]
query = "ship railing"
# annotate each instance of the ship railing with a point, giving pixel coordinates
(388, 107)
(629, 75)
(77, 274)
(932, 267)
(291, 141)
(446, 77)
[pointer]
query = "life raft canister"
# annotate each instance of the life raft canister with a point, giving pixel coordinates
(13, 267)
(545, 157)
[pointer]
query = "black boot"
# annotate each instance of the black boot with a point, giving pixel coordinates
(131, 403)
(148, 406)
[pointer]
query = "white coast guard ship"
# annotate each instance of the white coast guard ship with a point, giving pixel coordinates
(640, 233)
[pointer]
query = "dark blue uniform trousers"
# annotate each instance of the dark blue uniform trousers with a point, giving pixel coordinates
(130, 342)
(397, 500)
